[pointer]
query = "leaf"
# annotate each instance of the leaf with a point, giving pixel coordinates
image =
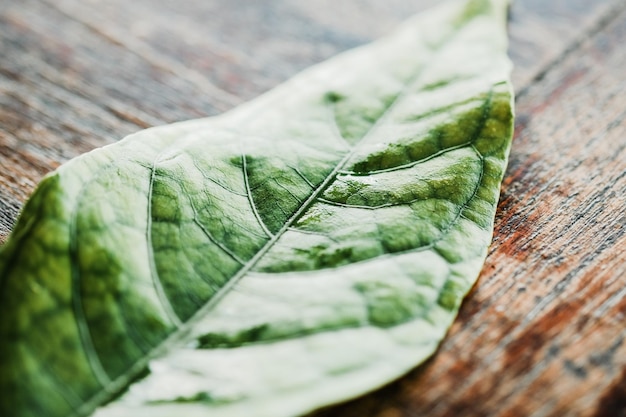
(297, 251)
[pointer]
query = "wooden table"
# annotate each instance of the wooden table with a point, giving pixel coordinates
(542, 333)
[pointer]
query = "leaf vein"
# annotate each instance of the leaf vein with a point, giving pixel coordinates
(154, 273)
(79, 313)
(253, 206)
(208, 234)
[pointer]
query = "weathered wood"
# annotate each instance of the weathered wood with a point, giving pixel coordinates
(543, 331)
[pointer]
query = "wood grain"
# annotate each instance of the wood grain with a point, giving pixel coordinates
(543, 332)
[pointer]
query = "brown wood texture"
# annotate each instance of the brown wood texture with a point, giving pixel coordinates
(542, 333)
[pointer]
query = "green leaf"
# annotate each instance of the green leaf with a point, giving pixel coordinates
(297, 251)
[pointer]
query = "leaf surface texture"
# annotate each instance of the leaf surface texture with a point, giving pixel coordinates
(299, 250)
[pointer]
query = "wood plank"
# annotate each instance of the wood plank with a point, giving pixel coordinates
(284, 37)
(543, 332)
(244, 47)
(542, 31)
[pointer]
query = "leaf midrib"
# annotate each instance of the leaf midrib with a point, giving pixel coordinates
(303, 208)
(116, 386)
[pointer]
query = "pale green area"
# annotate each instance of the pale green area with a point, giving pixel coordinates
(302, 249)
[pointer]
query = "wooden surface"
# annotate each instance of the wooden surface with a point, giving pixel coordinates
(542, 333)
